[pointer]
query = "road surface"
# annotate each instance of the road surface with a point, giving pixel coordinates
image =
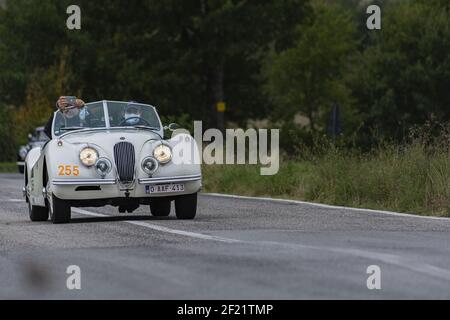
(234, 249)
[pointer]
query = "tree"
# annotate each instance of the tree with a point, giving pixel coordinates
(403, 77)
(307, 77)
(31, 36)
(7, 145)
(182, 56)
(229, 38)
(42, 88)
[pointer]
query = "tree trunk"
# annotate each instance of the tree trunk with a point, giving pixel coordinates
(217, 94)
(311, 120)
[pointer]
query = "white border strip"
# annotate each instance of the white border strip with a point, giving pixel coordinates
(326, 206)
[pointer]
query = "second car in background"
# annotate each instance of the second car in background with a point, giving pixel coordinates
(36, 139)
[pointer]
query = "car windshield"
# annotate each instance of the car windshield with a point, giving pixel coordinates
(121, 114)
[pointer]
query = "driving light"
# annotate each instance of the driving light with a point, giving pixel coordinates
(162, 153)
(103, 166)
(149, 165)
(88, 156)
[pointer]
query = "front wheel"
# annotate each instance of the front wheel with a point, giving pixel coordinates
(59, 210)
(160, 207)
(37, 213)
(186, 206)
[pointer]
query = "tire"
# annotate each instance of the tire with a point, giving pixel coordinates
(59, 210)
(37, 213)
(21, 169)
(160, 207)
(186, 206)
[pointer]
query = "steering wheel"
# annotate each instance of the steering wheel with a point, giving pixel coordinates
(125, 121)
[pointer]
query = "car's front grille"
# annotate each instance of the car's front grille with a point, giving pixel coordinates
(125, 161)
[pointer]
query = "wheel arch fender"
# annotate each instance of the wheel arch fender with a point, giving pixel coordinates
(32, 158)
(33, 176)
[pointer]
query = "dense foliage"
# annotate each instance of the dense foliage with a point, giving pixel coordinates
(271, 59)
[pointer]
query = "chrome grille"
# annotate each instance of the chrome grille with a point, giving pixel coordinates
(125, 161)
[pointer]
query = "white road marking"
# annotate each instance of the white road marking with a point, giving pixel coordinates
(387, 258)
(161, 228)
(392, 259)
(327, 206)
(427, 269)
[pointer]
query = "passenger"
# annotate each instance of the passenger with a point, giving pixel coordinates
(69, 111)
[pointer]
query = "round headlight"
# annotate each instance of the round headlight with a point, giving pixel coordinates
(103, 166)
(162, 153)
(88, 156)
(149, 165)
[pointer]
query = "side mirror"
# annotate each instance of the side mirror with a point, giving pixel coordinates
(172, 127)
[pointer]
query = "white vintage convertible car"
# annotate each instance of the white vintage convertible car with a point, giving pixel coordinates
(110, 153)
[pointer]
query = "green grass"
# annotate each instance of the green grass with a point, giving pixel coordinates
(8, 167)
(405, 179)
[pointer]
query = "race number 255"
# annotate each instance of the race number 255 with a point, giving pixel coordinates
(68, 170)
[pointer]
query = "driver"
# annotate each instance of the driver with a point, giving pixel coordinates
(68, 111)
(132, 115)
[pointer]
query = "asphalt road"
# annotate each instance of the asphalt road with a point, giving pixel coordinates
(234, 249)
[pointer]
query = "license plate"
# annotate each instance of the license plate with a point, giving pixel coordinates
(162, 188)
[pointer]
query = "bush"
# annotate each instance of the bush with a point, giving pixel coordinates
(7, 139)
(412, 177)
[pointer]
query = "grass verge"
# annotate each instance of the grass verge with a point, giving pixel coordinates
(8, 167)
(404, 179)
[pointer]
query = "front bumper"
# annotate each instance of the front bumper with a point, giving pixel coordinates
(83, 182)
(195, 177)
(72, 189)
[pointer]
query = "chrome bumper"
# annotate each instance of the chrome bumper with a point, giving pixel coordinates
(174, 179)
(100, 182)
(83, 182)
